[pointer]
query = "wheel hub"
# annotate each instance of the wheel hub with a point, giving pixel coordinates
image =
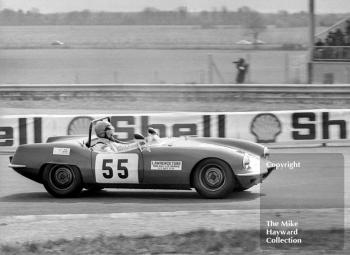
(62, 177)
(213, 177)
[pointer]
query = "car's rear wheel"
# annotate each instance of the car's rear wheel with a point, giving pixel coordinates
(213, 178)
(62, 180)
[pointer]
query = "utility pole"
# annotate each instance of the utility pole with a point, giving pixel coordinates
(311, 40)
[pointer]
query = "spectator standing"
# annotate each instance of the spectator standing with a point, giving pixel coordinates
(331, 54)
(339, 37)
(319, 50)
(347, 29)
(242, 69)
(339, 41)
(347, 40)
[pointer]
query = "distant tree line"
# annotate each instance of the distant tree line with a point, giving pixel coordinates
(152, 16)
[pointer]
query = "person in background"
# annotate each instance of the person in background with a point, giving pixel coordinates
(347, 40)
(319, 50)
(347, 29)
(107, 143)
(242, 69)
(339, 37)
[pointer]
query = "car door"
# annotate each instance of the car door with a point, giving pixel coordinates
(118, 168)
(165, 165)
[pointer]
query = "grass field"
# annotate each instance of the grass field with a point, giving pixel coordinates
(195, 242)
(141, 36)
(144, 54)
(96, 66)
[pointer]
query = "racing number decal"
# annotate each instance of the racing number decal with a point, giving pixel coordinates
(117, 168)
(109, 169)
(123, 168)
(108, 175)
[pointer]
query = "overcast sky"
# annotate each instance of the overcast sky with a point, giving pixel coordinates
(45, 6)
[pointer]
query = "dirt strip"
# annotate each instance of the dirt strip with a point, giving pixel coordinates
(19, 229)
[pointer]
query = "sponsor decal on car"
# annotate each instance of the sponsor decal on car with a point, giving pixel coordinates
(166, 165)
(61, 151)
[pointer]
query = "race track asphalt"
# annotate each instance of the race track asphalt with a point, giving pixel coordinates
(312, 186)
(313, 194)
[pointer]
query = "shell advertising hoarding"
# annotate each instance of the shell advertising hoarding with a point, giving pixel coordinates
(273, 127)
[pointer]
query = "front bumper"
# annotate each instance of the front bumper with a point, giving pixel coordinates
(255, 174)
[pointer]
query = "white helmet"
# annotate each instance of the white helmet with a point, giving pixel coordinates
(101, 127)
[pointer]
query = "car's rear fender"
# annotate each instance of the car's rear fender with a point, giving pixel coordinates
(64, 138)
(35, 156)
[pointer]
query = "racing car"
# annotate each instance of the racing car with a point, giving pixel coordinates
(215, 167)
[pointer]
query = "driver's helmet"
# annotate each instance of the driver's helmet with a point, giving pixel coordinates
(101, 127)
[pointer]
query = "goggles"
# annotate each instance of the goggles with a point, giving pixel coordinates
(109, 128)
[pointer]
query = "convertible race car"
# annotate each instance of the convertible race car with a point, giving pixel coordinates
(215, 167)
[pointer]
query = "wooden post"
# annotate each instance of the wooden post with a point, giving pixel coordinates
(249, 74)
(115, 77)
(311, 39)
(286, 68)
(217, 71)
(155, 77)
(210, 69)
(76, 78)
(201, 77)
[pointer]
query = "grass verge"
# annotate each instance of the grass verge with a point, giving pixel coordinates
(194, 242)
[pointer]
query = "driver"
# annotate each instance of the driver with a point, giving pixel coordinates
(107, 143)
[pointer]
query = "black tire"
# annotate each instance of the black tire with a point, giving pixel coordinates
(62, 180)
(213, 178)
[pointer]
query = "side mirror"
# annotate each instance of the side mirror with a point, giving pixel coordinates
(139, 137)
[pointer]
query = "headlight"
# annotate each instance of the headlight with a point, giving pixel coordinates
(246, 161)
(266, 152)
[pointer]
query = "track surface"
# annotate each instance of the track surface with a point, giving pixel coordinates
(319, 188)
(312, 195)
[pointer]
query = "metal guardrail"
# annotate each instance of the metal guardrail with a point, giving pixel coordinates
(332, 53)
(282, 91)
(276, 88)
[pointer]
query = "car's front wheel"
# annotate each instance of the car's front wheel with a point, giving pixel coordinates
(213, 178)
(62, 180)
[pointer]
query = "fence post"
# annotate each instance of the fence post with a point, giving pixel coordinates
(249, 76)
(286, 67)
(348, 74)
(210, 69)
(76, 78)
(217, 71)
(115, 77)
(155, 77)
(201, 77)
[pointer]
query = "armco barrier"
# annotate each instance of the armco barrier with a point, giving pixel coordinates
(175, 92)
(278, 128)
